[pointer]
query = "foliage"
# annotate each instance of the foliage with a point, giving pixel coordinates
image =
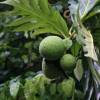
(37, 88)
(37, 15)
(23, 25)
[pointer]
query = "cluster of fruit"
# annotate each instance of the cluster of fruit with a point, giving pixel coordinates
(56, 59)
(52, 49)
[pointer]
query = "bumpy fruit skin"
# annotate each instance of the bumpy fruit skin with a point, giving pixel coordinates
(67, 62)
(50, 70)
(67, 86)
(52, 48)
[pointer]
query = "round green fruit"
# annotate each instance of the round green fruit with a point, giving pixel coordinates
(67, 62)
(67, 86)
(52, 48)
(50, 70)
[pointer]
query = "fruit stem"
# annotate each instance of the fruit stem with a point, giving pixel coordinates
(71, 33)
(64, 36)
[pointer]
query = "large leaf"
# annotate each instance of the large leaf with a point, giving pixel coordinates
(39, 11)
(85, 38)
(84, 7)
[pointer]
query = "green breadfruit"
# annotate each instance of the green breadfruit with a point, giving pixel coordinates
(52, 48)
(50, 70)
(67, 62)
(67, 86)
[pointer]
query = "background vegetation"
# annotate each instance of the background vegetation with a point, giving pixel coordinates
(21, 77)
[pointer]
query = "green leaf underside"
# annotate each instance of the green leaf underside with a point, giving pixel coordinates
(78, 71)
(84, 37)
(14, 88)
(37, 11)
(85, 6)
